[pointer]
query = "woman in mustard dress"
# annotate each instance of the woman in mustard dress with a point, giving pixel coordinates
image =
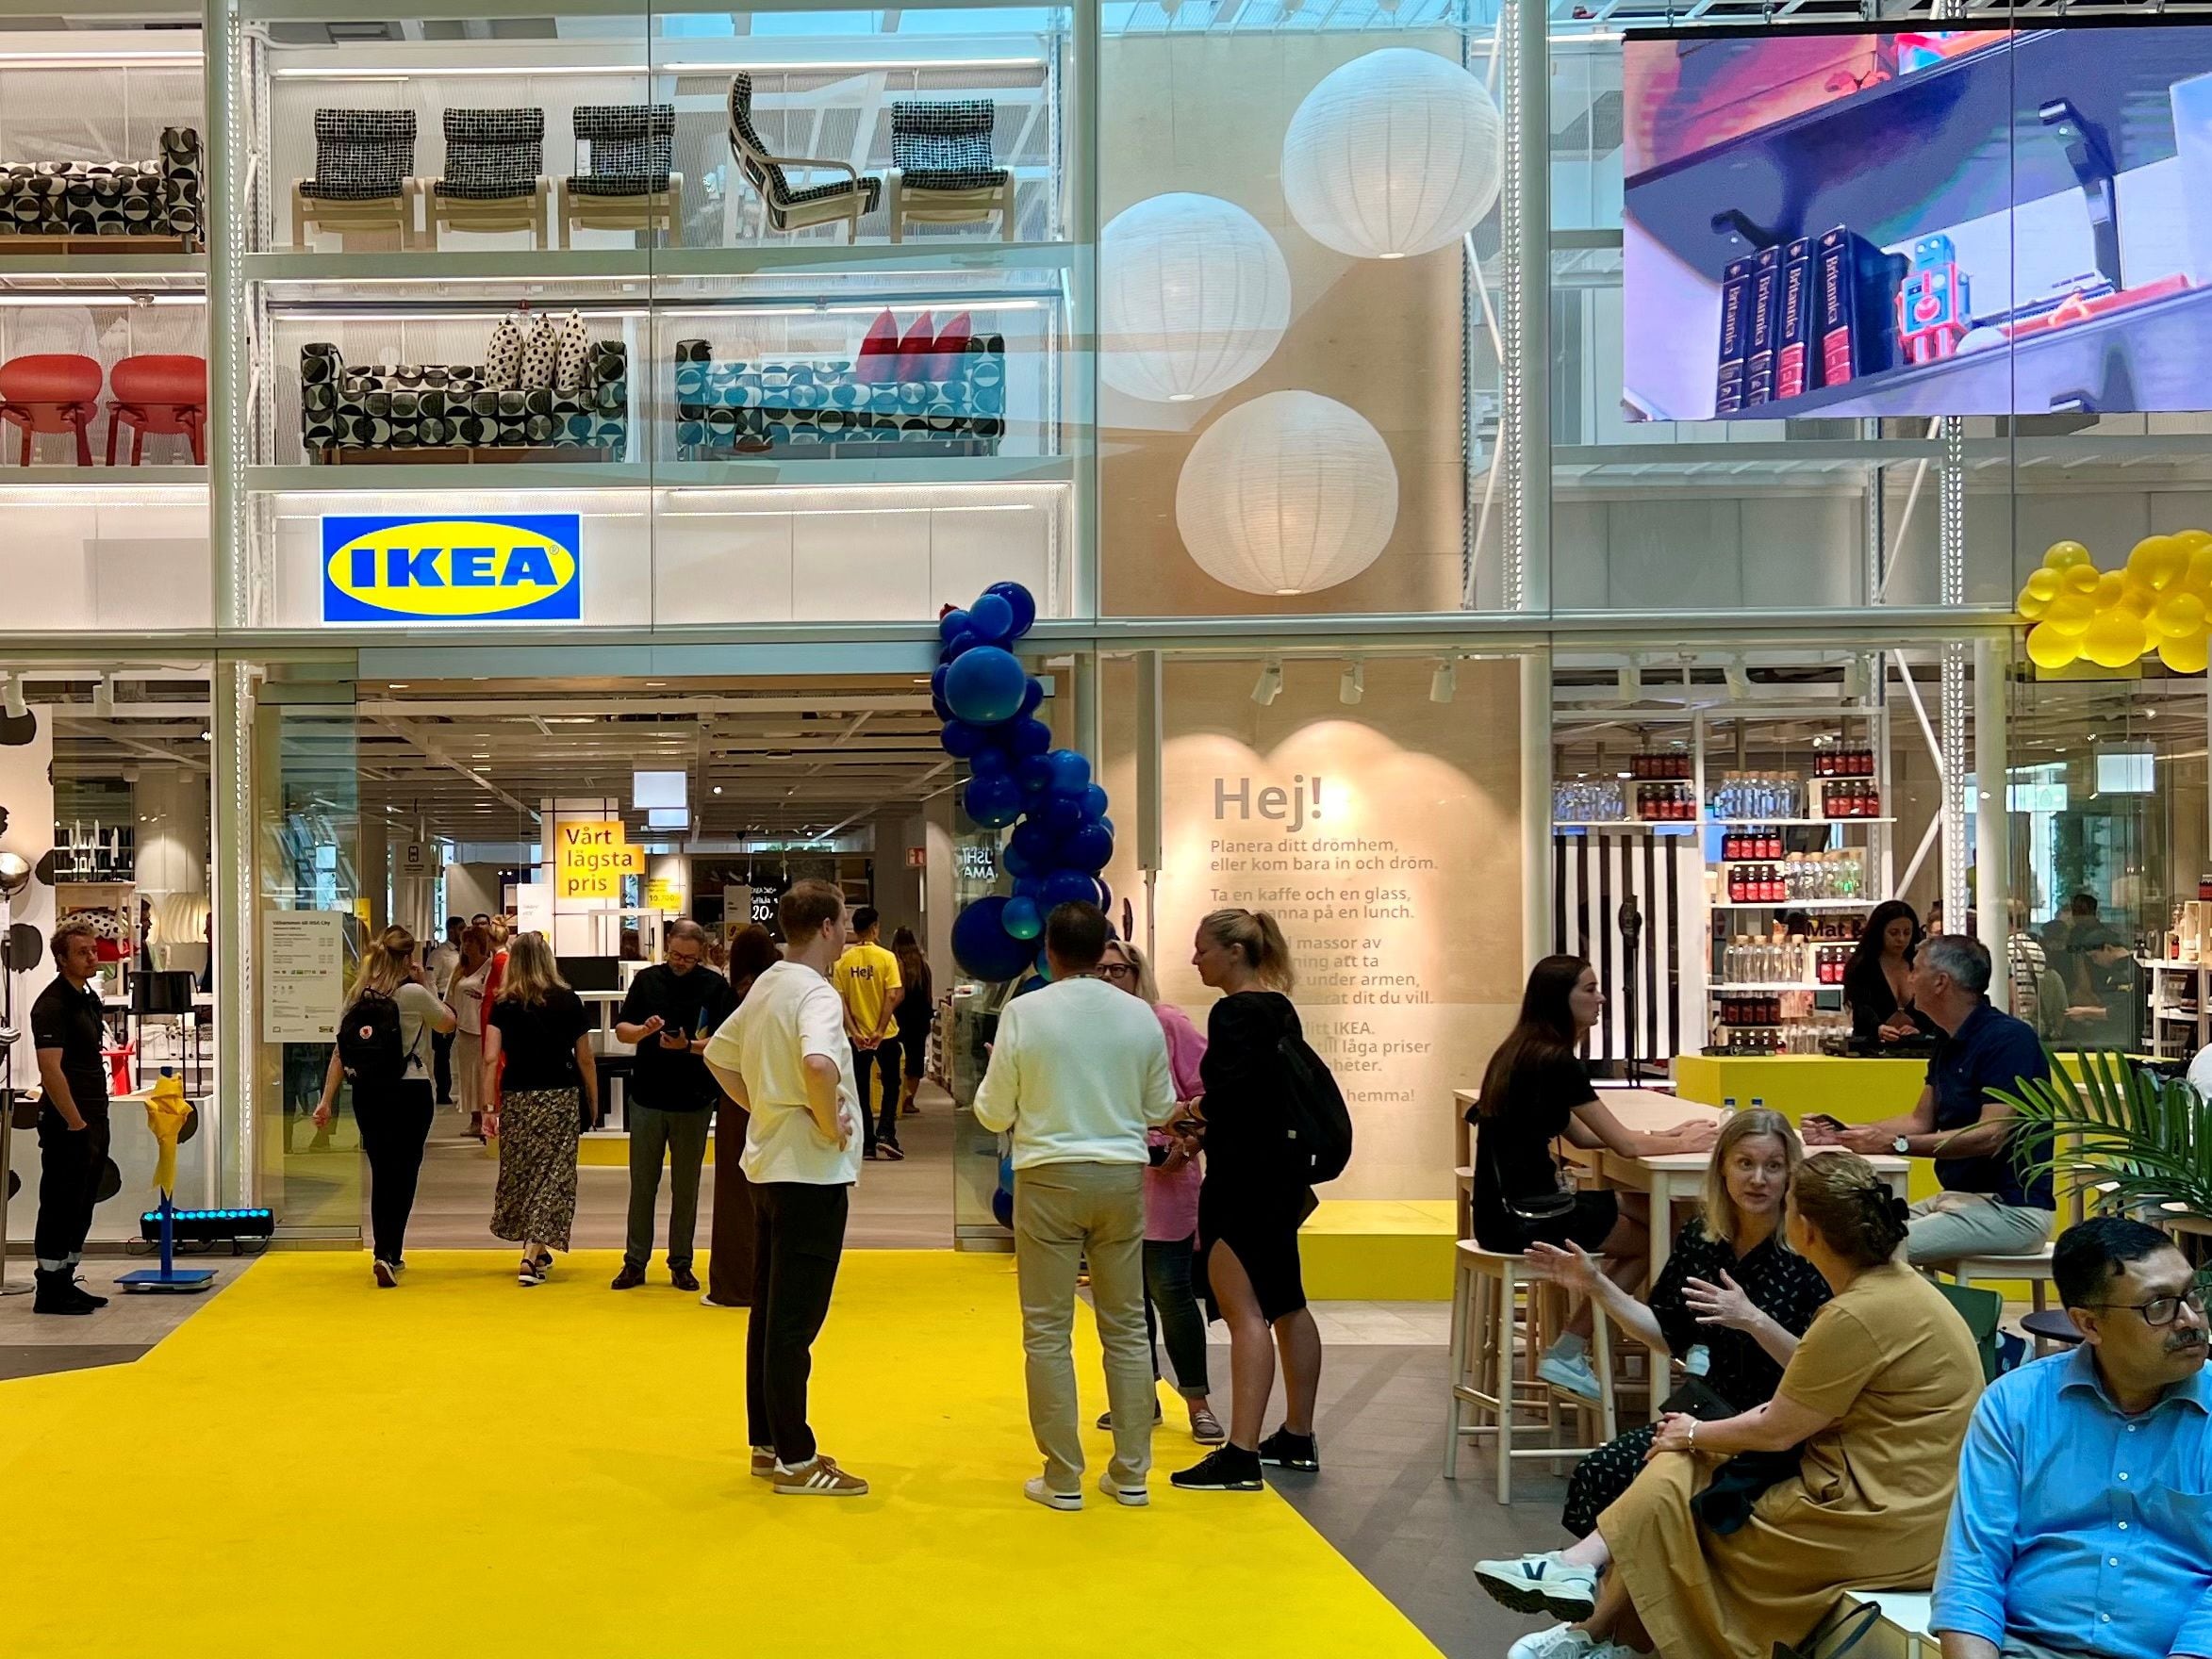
(1877, 1398)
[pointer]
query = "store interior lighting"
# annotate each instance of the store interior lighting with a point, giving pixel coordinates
(1631, 681)
(1739, 679)
(1353, 685)
(104, 698)
(11, 698)
(1270, 684)
(1444, 682)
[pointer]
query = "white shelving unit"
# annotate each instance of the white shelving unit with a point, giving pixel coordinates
(2181, 1008)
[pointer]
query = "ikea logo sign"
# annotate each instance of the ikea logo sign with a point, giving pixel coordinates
(526, 567)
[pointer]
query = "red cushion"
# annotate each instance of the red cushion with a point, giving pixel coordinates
(916, 349)
(878, 352)
(952, 340)
(157, 378)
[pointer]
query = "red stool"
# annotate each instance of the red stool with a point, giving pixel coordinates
(50, 391)
(163, 396)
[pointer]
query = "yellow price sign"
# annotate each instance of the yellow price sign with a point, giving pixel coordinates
(663, 894)
(591, 858)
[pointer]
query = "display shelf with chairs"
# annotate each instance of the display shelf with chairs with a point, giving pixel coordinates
(51, 394)
(786, 207)
(364, 176)
(943, 171)
(628, 182)
(159, 394)
(494, 178)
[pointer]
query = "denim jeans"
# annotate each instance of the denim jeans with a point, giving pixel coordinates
(1171, 1305)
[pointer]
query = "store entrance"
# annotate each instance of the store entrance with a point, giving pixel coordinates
(601, 812)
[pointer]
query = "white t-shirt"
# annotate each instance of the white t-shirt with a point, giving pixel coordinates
(790, 1012)
(418, 1006)
(468, 998)
(439, 963)
(1078, 1072)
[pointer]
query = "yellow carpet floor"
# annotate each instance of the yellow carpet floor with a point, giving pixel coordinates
(460, 1466)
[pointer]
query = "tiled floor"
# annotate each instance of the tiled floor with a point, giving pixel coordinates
(35, 1344)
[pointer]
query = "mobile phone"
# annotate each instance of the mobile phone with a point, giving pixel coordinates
(1821, 1120)
(1186, 1127)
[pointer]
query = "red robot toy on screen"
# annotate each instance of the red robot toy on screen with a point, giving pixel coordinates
(1932, 304)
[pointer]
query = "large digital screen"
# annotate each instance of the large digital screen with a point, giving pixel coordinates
(1880, 222)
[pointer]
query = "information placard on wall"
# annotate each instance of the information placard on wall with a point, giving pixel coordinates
(534, 907)
(303, 975)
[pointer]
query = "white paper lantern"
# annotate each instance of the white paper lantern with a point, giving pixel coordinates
(1400, 152)
(1193, 297)
(1289, 493)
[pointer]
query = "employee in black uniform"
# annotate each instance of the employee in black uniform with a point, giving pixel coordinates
(68, 1030)
(671, 1009)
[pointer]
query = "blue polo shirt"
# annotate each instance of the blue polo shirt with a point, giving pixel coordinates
(1990, 1050)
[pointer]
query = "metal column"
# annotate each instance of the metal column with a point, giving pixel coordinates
(1993, 829)
(1524, 314)
(1536, 894)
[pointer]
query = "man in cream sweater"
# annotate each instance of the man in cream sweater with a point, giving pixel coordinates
(1079, 1071)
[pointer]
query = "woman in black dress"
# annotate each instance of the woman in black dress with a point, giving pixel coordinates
(1251, 1203)
(1534, 1091)
(1877, 981)
(919, 1000)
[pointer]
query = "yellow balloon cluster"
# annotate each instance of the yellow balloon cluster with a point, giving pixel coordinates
(2160, 601)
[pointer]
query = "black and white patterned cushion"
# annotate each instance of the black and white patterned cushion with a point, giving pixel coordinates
(770, 181)
(944, 145)
(632, 146)
(540, 347)
(502, 355)
(361, 155)
(438, 405)
(571, 350)
(492, 155)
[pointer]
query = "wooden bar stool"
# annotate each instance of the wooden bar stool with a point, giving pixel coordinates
(158, 395)
(51, 392)
(1497, 1310)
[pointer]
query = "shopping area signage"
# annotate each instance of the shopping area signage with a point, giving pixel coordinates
(519, 568)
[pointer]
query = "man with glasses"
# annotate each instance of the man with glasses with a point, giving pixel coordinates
(671, 1011)
(2082, 1524)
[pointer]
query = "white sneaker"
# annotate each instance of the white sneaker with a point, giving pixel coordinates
(1036, 1491)
(1127, 1497)
(1572, 1375)
(1540, 1584)
(1562, 1642)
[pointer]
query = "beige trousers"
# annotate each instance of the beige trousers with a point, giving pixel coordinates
(1064, 1214)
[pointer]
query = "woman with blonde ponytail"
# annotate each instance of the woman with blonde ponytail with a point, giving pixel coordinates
(1252, 1202)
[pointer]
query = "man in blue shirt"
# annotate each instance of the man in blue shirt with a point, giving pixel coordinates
(2082, 1524)
(1986, 1208)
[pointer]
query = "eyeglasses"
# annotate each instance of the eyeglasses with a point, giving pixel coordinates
(684, 962)
(1117, 971)
(2163, 1311)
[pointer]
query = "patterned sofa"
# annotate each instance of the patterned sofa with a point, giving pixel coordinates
(155, 198)
(451, 406)
(823, 408)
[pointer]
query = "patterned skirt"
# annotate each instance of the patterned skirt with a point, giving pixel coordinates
(538, 1130)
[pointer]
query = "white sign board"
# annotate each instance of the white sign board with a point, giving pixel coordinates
(534, 906)
(303, 975)
(415, 858)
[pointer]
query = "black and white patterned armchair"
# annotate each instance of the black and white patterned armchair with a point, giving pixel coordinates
(942, 168)
(627, 183)
(821, 409)
(494, 174)
(364, 167)
(154, 198)
(790, 208)
(433, 411)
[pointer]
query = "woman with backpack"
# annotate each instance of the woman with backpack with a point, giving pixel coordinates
(1254, 1197)
(537, 1031)
(383, 1049)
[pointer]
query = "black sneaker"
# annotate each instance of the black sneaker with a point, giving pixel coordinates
(55, 1294)
(78, 1285)
(890, 1150)
(1284, 1450)
(1227, 1470)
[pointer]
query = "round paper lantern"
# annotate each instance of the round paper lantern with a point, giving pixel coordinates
(1287, 494)
(1193, 297)
(1399, 152)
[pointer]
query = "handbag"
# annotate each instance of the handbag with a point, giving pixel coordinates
(1539, 1207)
(1852, 1628)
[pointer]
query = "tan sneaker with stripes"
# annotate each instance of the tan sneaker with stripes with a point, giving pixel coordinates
(819, 1478)
(764, 1463)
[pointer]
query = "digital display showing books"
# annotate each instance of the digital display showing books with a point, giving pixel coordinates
(1882, 222)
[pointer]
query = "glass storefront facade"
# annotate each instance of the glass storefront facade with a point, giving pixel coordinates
(1307, 428)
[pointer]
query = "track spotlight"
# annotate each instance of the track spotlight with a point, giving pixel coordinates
(1353, 685)
(1631, 683)
(11, 698)
(1444, 682)
(1739, 679)
(1269, 687)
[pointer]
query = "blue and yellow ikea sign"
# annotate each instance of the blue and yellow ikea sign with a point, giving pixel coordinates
(524, 567)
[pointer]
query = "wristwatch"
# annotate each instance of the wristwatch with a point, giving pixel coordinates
(1902, 1146)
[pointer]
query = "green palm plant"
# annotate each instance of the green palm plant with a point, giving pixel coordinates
(2127, 1139)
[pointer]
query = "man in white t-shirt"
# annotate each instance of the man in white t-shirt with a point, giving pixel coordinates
(783, 1057)
(1079, 1071)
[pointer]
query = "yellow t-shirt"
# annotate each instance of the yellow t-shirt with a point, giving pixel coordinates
(864, 977)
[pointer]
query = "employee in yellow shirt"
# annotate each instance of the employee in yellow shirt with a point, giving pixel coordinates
(867, 976)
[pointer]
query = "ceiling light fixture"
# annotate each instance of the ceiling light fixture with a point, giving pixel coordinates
(1631, 681)
(11, 698)
(1739, 679)
(1444, 682)
(1269, 686)
(1352, 686)
(104, 698)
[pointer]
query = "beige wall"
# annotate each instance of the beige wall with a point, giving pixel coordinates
(1409, 945)
(1381, 337)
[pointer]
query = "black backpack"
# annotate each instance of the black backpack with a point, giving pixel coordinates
(1320, 1126)
(368, 1048)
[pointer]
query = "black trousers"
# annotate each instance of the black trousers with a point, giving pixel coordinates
(70, 1163)
(441, 1064)
(798, 1240)
(394, 1131)
(885, 1057)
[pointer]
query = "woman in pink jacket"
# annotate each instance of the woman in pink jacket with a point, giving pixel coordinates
(1171, 1202)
